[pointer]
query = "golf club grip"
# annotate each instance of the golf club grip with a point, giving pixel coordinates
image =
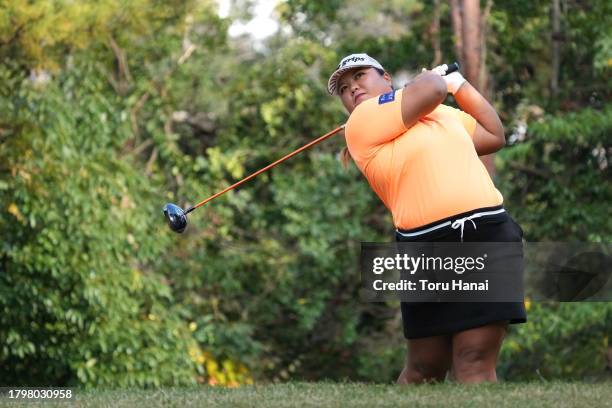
(452, 67)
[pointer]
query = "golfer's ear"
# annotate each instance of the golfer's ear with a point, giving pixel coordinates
(388, 78)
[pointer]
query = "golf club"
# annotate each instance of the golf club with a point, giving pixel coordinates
(177, 217)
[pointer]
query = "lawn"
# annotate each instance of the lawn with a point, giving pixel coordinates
(326, 394)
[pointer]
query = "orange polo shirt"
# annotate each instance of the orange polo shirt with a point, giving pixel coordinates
(424, 173)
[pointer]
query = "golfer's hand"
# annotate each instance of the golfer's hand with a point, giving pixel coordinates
(454, 80)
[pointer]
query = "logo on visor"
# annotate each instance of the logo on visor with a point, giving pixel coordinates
(352, 59)
(388, 97)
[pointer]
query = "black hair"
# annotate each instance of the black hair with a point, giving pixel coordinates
(382, 72)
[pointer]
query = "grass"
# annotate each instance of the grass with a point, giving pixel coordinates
(326, 394)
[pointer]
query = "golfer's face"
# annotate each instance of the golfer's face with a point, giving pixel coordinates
(360, 84)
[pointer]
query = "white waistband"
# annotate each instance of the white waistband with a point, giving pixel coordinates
(447, 223)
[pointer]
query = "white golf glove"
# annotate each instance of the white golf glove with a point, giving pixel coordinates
(454, 80)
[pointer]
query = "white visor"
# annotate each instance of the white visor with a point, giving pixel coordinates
(348, 63)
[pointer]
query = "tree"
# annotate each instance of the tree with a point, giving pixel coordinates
(469, 27)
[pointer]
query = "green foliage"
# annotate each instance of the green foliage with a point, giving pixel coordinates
(557, 180)
(80, 301)
(520, 55)
(562, 340)
(41, 34)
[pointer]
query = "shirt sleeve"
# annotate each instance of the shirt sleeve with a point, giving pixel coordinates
(374, 122)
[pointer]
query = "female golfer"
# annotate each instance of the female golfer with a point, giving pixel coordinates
(421, 159)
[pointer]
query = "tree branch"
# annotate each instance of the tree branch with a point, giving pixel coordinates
(457, 29)
(435, 34)
(124, 79)
(556, 48)
(150, 162)
(531, 170)
(484, 29)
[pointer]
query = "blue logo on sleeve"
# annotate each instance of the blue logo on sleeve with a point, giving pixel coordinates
(388, 97)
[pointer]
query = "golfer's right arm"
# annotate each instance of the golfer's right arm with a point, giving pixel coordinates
(374, 122)
(421, 96)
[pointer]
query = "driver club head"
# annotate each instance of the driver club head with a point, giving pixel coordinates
(176, 217)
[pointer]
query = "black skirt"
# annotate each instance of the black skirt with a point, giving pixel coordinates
(434, 319)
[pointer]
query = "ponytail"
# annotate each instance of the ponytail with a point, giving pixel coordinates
(345, 157)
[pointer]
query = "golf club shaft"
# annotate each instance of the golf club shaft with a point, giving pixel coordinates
(268, 167)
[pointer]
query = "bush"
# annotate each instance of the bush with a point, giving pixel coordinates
(556, 183)
(562, 340)
(80, 301)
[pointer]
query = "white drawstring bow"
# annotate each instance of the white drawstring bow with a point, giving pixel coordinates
(461, 223)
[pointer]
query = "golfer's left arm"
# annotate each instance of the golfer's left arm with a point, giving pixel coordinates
(489, 135)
